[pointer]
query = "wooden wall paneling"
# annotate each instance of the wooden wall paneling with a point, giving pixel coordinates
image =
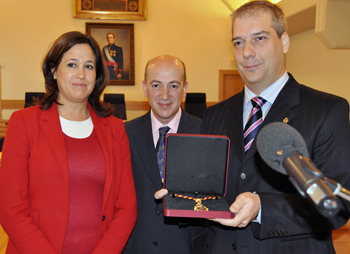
(341, 239)
(130, 105)
(3, 124)
(12, 104)
(230, 83)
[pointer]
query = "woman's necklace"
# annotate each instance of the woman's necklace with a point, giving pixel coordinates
(199, 206)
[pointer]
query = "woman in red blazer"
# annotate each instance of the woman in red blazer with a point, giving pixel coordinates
(66, 183)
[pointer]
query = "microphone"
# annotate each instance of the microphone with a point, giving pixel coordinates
(284, 150)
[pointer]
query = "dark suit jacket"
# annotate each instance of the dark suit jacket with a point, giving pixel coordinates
(289, 223)
(153, 232)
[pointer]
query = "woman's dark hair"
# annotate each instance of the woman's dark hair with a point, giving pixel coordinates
(52, 60)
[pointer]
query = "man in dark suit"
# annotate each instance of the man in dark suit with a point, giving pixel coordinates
(113, 55)
(165, 86)
(271, 216)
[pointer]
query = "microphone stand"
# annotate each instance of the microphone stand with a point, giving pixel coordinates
(337, 188)
(334, 186)
(317, 191)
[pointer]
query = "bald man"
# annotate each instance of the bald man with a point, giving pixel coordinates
(164, 86)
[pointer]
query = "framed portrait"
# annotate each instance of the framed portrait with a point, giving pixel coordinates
(118, 49)
(110, 9)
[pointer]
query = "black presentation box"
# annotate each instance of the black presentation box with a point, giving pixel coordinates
(196, 167)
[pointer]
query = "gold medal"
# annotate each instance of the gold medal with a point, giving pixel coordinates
(200, 207)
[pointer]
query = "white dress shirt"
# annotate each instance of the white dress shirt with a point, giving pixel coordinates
(173, 125)
(270, 95)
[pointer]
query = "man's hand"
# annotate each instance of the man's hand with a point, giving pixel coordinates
(246, 207)
(160, 194)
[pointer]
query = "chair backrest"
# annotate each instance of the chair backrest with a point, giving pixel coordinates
(118, 102)
(195, 104)
(1, 143)
(29, 98)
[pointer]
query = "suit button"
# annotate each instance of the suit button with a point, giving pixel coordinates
(234, 247)
(155, 243)
(159, 213)
(103, 218)
(243, 176)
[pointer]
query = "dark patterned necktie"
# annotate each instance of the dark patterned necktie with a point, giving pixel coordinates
(160, 149)
(254, 121)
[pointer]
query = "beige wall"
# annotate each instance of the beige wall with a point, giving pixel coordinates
(197, 31)
(291, 7)
(313, 64)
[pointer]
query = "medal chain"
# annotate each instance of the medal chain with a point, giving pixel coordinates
(197, 200)
(199, 206)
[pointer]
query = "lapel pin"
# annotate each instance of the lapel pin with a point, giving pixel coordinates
(285, 120)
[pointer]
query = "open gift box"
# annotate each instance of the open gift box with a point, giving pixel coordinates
(195, 176)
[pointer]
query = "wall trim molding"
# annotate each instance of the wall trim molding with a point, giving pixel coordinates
(130, 105)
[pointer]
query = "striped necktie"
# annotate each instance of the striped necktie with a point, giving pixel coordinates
(253, 123)
(160, 150)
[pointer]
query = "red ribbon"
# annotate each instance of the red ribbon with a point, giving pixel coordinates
(113, 64)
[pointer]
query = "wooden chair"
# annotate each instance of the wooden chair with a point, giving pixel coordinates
(195, 104)
(118, 102)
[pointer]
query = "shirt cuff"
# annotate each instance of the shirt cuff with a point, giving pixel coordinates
(257, 219)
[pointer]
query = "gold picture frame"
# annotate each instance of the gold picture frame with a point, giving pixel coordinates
(120, 54)
(110, 9)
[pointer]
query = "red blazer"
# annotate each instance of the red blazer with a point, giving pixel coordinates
(34, 183)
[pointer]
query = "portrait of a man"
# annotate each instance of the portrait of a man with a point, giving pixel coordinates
(113, 55)
(117, 45)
